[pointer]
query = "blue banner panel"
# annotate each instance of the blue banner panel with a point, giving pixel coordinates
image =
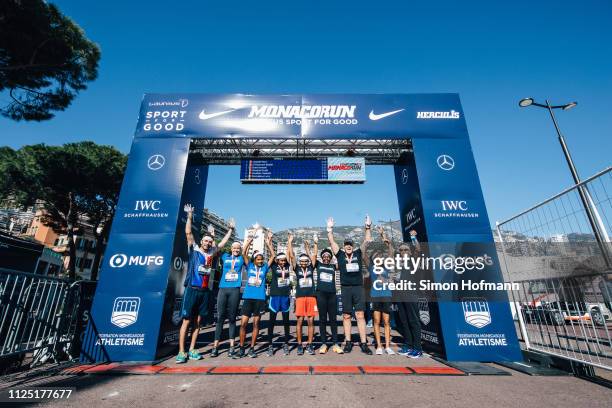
(127, 307)
(413, 218)
(124, 326)
(479, 330)
(348, 116)
(149, 200)
(194, 190)
(455, 212)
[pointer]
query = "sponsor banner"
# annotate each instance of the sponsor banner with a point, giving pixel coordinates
(124, 327)
(451, 196)
(449, 168)
(455, 214)
(194, 190)
(355, 116)
(476, 329)
(471, 269)
(149, 200)
(413, 218)
(137, 260)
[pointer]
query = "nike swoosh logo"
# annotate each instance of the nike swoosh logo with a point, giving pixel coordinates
(204, 116)
(374, 116)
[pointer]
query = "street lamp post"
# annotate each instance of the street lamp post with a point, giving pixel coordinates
(591, 211)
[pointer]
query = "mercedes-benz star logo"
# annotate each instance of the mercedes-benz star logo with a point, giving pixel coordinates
(156, 162)
(404, 176)
(445, 162)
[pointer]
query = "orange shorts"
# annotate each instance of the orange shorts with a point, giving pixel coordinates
(306, 306)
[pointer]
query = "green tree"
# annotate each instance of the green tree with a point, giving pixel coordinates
(101, 205)
(45, 59)
(73, 180)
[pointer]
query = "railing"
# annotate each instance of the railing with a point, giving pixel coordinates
(38, 318)
(559, 253)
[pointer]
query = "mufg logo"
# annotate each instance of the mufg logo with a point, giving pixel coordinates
(125, 311)
(476, 312)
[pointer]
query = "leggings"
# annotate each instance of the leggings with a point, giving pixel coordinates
(227, 306)
(272, 323)
(328, 311)
(410, 324)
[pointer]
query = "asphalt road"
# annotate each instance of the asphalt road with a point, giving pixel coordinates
(290, 391)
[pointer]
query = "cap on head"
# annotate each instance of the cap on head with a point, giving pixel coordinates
(348, 241)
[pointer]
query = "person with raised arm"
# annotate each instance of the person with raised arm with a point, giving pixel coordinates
(381, 295)
(280, 300)
(351, 283)
(254, 296)
(408, 311)
(228, 297)
(325, 272)
(305, 300)
(198, 284)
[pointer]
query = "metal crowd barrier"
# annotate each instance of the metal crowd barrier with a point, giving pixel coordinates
(38, 318)
(559, 253)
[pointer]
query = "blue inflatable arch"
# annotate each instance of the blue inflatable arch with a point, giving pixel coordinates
(134, 314)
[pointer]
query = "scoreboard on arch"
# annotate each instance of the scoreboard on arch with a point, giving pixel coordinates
(323, 170)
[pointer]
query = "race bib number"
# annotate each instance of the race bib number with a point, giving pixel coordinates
(305, 282)
(231, 276)
(202, 270)
(253, 281)
(352, 267)
(282, 282)
(326, 277)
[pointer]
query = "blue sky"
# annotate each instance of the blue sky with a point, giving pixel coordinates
(491, 53)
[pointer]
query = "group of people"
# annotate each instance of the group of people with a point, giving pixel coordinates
(316, 279)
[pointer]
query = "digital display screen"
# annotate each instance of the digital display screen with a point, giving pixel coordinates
(324, 170)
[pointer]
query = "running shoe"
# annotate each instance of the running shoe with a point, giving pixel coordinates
(286, 349)
(337, 349)
(270, 350)
(323, 349)
(194, 355)
(389, 351)
(310, 349)
(241, 352)
(416, 354)
(405, 351)
(181, 357)
(379, 351)
(348, 346)
(252, 353)
(369, 325)
(365, 349)
(214, 352)
(300, 350)
(231, 352)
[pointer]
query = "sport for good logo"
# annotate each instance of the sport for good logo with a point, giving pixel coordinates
(125, 311)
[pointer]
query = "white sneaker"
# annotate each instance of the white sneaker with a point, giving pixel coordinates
(389, 351)
(379, 352)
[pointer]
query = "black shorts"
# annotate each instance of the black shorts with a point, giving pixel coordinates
(253, 307)
(353, 298)
(381, 305)
(195, 302)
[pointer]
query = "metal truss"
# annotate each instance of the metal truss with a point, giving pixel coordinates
(231, 151)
